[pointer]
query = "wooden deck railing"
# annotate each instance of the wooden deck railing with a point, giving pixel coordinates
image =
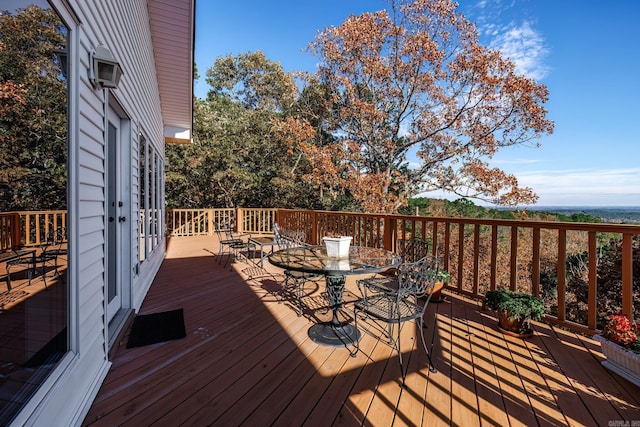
(256, 220)
(482, 254)
(36, 226)
(199, 222)
(9, 230)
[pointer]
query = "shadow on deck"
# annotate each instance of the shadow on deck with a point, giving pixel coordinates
(247, 360)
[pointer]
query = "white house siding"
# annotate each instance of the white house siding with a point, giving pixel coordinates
(123, 26)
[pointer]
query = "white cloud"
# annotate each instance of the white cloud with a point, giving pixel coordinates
(514, 161)
(520, 42)
(576, 187)
(525, 47)
(594, 187)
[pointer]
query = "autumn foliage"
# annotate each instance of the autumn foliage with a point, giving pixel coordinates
(404, 101)
(33, 111)
(414, 78)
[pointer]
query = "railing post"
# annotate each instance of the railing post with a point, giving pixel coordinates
(493, 278)
(16, 231)
(389, 227)
(513, 275)
(627, 276)
(210, 222)
(562, 274)
(592, 295)
(460, 255)
(239, 220)
(314, 228)
(476, 258)
(434, 239)
(535, 260)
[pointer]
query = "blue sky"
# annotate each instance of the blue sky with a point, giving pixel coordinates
(586, 52)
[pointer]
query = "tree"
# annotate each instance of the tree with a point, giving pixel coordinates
(415, 79)
(253, 80)
(33, 111)
(240, 155)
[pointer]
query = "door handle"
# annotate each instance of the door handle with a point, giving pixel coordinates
(111, 219)
(122, 219)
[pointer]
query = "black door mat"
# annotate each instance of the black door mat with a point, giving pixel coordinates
(157, 327)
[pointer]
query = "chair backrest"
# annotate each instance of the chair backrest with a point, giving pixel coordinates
(220, 226)
(228, 232)
(413, 249)
(293, 239)
(219, 229)
(288, 238)
(60, 235)
(418, 278)
(277, 235)
(52, 238)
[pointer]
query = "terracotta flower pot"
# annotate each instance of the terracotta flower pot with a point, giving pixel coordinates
(512, 327)
(437, 294)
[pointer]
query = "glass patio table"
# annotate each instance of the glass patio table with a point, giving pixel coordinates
(314, 259)
(263, 242)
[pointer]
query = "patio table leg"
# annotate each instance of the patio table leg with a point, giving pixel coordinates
(335, 333)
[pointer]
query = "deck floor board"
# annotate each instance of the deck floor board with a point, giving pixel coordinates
(247, 360)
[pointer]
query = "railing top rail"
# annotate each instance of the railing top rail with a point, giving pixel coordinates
(198, 209)
(338, 213)
(555, 225)
(51, 211)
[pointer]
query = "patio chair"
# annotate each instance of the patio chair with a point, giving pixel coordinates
(411, 250)
(229, 243)
(294, 281)
(24, 260)
(243, 243)
(416, 281)
(58, 249)
(47, 259)
(287, 238)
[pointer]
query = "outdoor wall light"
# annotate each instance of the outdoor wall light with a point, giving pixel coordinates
(105, 70)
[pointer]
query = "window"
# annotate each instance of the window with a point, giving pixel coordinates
(33, 180)
(151, 171)
(142, 154)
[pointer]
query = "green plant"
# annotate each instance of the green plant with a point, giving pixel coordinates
(443, 276)
(519, 306)
(440, 276)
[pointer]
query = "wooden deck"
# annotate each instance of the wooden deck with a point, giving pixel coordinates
(247, 360)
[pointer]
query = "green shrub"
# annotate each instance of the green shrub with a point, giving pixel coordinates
(519, 305)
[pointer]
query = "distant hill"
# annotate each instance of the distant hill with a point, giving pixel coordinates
(615, 214)
(466, 208)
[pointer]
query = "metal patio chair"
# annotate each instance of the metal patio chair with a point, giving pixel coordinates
(229, 242)
(294, 281)
(411, 250)
(51, 251)
(416, 281)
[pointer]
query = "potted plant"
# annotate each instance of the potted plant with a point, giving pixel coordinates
(620, 343)
(515, 311)
(442, 279)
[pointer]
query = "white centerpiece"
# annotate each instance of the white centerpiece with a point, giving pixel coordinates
(337, 247)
